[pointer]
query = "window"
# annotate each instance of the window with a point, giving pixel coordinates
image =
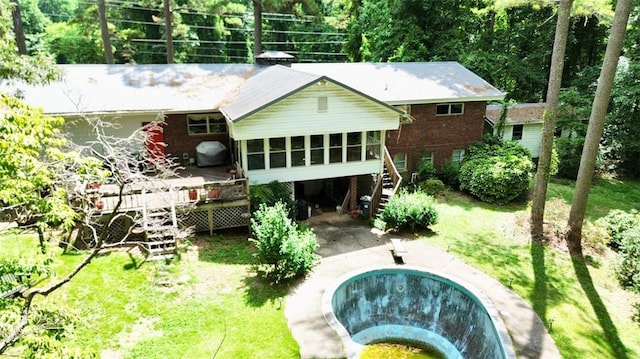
(277, 153)
(255, 154)
(405, 117)
(335, 148)
(457, 156)
(354, 146)
(444, 109)
(206, 124)
(317, 149)
(427, 157)
(297, 151)
(323, 104)
(373, 145)
(516, 134)
(400, 161)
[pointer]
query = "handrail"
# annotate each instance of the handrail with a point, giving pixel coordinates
(396, 178)
(375, 197)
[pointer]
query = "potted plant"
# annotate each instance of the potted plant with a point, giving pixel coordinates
(214, 192)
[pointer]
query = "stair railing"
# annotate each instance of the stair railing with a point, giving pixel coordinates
(393, 171)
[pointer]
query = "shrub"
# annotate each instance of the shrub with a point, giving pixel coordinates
(271, 193)
(449, 173)
(496, 179)
(425, 171)
(628, 269)
(618, 222)
(432, 186)
(569, 152)
(284, 250)
(410, 210)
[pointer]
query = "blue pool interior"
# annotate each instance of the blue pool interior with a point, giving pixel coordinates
(425, 308)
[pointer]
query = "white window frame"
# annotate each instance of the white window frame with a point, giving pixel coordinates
(513, 132)
(397, 161)
(457, 155)
(209, 120)
(450, 109)
(427, 156)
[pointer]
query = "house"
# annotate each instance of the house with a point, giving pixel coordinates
(523, 124)
(325, 129)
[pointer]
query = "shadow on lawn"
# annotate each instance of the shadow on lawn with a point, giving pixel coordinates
(257, 292)
(608, 327)
(540, 286)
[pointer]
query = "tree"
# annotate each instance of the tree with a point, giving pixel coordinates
(100, 160)
(549, 125)
(596, 125)
(104, 30)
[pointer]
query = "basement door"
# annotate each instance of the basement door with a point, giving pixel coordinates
(154, 144)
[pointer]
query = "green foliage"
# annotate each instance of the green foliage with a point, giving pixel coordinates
(410, 210)
(284, 250)
(496, 173)
(449, 173)
(269, 194)
(622, 129)
(618, 223)
(432, 186)
(425, 171)
(628, 269)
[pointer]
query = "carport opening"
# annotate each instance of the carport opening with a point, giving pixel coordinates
(326, 195)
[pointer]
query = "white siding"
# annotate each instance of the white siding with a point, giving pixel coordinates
(315, 172)
(531, 137)
(298, 115)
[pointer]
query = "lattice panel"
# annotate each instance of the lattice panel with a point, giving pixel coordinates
(230, 217)
(118, 230)
(197, 220)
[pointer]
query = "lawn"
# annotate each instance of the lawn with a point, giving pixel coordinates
(208, 304)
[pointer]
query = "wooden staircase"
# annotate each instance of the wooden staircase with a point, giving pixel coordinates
(387, 185)
(160, 229)
(387, 190)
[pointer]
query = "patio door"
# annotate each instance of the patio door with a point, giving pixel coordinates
(154, 144)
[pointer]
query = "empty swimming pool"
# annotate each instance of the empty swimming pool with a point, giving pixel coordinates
(411, 304)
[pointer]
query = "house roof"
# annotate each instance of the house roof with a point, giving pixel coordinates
(207, 87)
(520, 114)
(136, 88)
(401, 83)
(273, 83)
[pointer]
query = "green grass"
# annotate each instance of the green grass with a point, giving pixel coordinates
(208, 302)
(590, 313)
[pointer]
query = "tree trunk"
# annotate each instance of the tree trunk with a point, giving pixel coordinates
(549, 125)
(257, 27)
(104, 30)
(18, 30)
(169, 30)
(596, 125)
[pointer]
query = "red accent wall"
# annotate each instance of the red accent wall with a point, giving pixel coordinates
(438, 134)
(179, 141)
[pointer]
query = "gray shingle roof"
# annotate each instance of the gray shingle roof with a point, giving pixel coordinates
(206, 87)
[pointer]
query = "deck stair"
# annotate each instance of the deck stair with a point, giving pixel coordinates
(387, 190)
(160, 229)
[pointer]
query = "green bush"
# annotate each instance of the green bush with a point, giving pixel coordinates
(284, 250)
(496, 179)
(410, 210)
(449, 173)
(628, 269)
(496, 172)
(432, 186)
(569, 152)
(425, 171)
(271, 193)
(618, 222)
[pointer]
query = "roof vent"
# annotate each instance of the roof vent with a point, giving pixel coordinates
(269, 58)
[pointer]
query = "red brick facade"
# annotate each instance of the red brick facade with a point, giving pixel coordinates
(437, 134)
(179, 141)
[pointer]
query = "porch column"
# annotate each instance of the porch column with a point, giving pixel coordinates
(353, 189)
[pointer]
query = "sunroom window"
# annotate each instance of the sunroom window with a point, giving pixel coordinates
(255, 154)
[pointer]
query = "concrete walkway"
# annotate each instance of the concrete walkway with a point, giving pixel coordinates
(347, 245)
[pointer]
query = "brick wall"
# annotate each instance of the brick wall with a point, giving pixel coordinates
(437, 134)
(179, 141)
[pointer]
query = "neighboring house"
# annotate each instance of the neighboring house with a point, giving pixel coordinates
(322, 128)
(522, 124)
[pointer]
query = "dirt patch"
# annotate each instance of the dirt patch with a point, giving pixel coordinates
(143, 329)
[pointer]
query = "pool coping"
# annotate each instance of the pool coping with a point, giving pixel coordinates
(353, 348)
(316, 339)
